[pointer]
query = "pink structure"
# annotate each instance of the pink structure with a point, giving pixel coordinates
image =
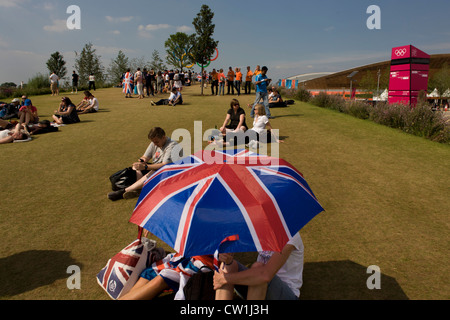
(409, 74)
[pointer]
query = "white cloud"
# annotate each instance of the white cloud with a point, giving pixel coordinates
(328, 29)
(147, 31)
(119, 19)
(184, 29)
(116, 32)
(57, 26)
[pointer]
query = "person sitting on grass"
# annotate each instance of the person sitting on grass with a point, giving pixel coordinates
(84, 102)
(91, 105)
(274, 275)
(12, 133)
(262, 129)
(28, 113)
(66, 113)
(235, 119)
(165, 274)
(159, 153)
(275, 100)
(174, 99)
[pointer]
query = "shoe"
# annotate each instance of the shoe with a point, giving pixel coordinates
(152, 103)
(131, 194)
(116, 195)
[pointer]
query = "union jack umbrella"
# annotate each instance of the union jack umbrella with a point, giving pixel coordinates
(194, 204)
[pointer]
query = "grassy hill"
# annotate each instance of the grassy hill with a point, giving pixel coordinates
(385, 195)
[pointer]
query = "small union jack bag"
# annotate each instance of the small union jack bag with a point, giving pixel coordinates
(122, 271)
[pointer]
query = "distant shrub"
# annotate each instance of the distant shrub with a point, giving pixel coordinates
(358, 109)
(391, 115)
(303, 95)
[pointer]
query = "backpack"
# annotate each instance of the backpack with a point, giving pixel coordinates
(200, 286)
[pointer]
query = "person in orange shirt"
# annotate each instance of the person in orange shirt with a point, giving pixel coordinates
(238, 81)
(248, 81)
(222, 80)
(230, 80)
(257, 71)
(214, 82)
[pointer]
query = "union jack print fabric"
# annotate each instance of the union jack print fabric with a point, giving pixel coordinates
(128, 83)
(123, 270)
(196, 203)
(173, 267)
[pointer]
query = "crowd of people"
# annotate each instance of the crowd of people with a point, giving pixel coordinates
(274, 275)
(28, 123)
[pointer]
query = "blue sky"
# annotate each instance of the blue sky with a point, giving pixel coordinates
(289, 36)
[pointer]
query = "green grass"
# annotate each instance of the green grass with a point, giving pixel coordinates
(385, 194)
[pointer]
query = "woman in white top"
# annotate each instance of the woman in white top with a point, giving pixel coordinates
(262, 129)
(91, 104)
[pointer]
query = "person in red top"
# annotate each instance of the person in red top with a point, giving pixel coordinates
(28, 113)
(238, 81)
(230, 80)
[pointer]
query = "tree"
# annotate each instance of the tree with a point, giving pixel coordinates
(440, 80)
(88, 62)
(205, 45)
(157, 63)
(117, 67)
(57, 65)
(177, 48)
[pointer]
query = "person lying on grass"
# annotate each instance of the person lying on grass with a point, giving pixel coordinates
(159, 153)
(11, 132)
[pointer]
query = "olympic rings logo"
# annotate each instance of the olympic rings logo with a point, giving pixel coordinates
(189, 53)
(400, 52)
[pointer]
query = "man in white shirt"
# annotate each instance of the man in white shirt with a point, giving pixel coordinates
(54, 83)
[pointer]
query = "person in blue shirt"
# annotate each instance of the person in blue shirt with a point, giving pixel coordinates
(261, 82)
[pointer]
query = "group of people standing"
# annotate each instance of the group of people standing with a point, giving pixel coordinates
(150, 82)
(233, 80)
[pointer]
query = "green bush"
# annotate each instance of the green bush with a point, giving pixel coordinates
(358, 109)
(303, 95)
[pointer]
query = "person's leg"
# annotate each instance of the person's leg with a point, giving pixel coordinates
(146, 290)
(266, 104)
(258, 97)
(279, 290)
(257, 292)
(57, 119)
(227, 291)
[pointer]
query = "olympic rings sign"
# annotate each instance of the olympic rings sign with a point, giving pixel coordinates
(187, 65)
(400, 52)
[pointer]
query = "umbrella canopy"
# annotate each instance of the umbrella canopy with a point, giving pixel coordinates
(194, 204)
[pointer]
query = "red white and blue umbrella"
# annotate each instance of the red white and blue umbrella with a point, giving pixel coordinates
(194, 204)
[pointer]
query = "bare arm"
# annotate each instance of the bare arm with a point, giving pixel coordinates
(254, 276)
